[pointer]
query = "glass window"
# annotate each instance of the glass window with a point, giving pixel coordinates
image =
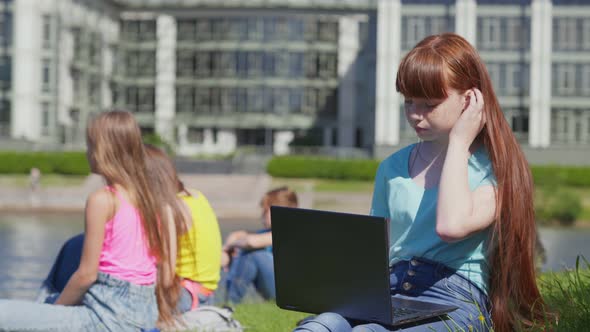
(327, 65)
(310, 102)
(586, 34)
(203, 29)
(311, 65)
(494, 72)
(147, 30)
(415, 30)
(585, 87)
(228, 100)
(514, 82)
(255, 28)
(281, 100)
(241, 100)
(45, 119)
(131, 30)
(270, 28)
(132, 98)
(514, 33)
(147, 63)
(184, 63)
(565, 34)
(186, 30)
(566, 79)
(184, 99)
(328, 31)
(228, 64)
(46, 30)
(255, 102)
(438, 25)
(490, 33)
(242, 64)
(195, 135)
(94, 92)
(268, 63)
(146, 99)
(311, 29)
(215, 93)
(46, 76)
(295, 100)
(296, 29)
(202, 100)
(296, 65)
(202, 64)
(254, 64)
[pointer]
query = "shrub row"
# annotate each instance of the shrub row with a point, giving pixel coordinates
(323, 168)
(67, 163)
(355, 169)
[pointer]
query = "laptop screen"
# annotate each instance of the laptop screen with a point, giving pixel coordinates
(331, 262)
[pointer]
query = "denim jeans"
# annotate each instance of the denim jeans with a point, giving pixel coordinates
(110, 304)
(66, 263)
(420, 279)
(185, 302)
(249, 268)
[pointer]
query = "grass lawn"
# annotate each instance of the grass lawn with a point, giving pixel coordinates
(567, 293)
(47, 180)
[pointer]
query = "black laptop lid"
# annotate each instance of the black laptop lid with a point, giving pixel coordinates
(331, 262)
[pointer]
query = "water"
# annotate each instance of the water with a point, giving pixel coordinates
(30, 242)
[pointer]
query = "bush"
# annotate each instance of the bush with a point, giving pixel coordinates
(561, 175)
(157, 141)
(559, 205)
(66, 163)
(325, 168)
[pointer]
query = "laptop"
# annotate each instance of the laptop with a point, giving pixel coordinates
(339, 262)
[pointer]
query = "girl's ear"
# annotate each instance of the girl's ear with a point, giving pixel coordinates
(466, 98)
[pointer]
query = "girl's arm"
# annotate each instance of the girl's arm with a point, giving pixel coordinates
(461, 212)
(244, 240)
(99, 209)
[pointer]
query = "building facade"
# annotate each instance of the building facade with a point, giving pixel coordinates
(211, 76)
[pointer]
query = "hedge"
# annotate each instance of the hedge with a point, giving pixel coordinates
(364, 169)
(67, 163)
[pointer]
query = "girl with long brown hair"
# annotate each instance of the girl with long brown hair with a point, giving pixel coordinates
(199, 238)
(460, 201)
(128, 253)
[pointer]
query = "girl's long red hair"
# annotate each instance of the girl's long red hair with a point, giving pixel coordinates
(448, 61)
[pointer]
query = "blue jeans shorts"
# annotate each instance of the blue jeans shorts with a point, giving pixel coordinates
(426, 280)
(109, 304)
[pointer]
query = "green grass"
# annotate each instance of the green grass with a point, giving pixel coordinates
(266, 317)
(567, 294)
(47, 180)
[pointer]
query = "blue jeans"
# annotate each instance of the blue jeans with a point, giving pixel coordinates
(185, 301)
(249, 268)
(429, 281)
(110, 304)
(66, 263)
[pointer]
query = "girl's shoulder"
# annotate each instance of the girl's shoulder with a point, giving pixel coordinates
(398, 161)
(103, 199)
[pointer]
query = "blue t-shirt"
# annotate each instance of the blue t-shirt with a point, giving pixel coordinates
(412, 211)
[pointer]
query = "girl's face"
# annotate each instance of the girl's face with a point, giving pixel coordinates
(433, 119)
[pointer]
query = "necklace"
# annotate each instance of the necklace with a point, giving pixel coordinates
(417, 154)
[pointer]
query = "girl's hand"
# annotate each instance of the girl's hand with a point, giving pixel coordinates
(471, 121)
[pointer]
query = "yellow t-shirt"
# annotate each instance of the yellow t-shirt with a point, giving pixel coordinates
(199, 255)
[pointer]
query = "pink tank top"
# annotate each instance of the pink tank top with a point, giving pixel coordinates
(125, 251)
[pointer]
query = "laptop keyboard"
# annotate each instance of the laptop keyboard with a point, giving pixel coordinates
(398, 312)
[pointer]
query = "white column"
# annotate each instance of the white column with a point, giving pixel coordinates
(65, 40)
(281, 142)
(110, 32)
(165, 76)
(348, 49)
(540, 79)
(388, 57)
(26, 71)
(466, 20)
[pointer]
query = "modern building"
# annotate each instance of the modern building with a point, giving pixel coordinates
(211, 76)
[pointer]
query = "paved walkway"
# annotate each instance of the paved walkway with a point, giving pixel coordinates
(232, 196)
